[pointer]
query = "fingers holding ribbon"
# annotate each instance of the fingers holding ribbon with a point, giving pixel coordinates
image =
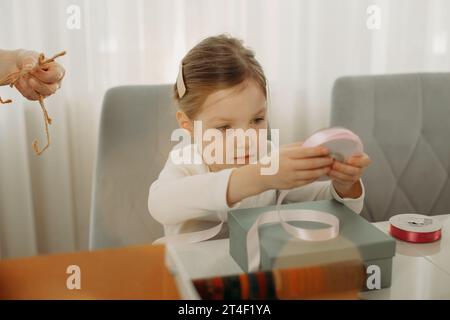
(53, 73)
(346, 175)
(26, 87)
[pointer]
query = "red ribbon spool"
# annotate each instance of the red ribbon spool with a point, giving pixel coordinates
(415, 228)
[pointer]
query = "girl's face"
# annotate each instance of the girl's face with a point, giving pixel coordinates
(240, 107)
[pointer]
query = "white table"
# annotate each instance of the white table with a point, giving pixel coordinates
(419, 271)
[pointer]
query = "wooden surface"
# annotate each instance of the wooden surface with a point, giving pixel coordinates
(136, 272)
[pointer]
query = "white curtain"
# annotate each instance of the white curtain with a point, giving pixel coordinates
(303, 46)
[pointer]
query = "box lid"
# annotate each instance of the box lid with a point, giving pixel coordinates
(357, 238)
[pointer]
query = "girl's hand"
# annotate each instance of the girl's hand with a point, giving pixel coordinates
(38, 81)
(298, 166)
(345, 175)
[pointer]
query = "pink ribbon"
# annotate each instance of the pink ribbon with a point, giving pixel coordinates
(342, 143)
(283, 217)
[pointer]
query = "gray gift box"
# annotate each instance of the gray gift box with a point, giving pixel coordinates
(358, 240)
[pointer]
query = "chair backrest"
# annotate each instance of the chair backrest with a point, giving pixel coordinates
(134, 143)
(404, 122)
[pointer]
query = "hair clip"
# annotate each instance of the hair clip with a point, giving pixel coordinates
(181, 88)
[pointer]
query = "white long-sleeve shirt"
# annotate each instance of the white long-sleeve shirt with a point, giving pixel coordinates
(189, 197)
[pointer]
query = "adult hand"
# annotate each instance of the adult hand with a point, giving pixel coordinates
(37, 80)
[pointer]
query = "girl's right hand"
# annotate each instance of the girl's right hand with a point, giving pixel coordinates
(298, 166)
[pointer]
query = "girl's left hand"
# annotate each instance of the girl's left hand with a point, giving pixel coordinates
(345, 175)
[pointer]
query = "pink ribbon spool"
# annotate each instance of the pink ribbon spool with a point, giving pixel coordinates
(342, 143)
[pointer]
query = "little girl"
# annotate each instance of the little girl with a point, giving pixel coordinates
(222, 86)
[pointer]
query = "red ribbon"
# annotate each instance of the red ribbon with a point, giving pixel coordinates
(417, 237)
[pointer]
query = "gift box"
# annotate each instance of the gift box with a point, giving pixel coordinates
(358, 240)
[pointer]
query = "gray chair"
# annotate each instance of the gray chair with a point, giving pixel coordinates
(134, 143)
(404, 122)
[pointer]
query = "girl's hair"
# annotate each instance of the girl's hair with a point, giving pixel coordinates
(216, 63)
